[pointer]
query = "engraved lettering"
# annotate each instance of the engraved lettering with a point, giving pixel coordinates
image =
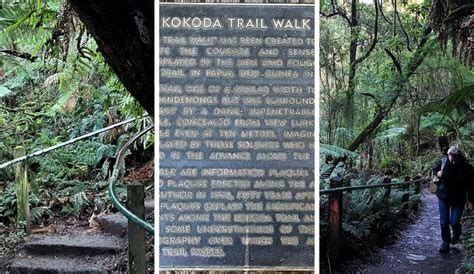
(191, 218)
(180, 240)
(174, 252)
(180, 229)
(220, 240)
(285, 240)
(256, 240)
(207, 252)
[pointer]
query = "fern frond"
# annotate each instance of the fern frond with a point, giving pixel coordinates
(52, 80)
(335, 151)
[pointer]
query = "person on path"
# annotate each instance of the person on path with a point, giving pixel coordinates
(456, 177)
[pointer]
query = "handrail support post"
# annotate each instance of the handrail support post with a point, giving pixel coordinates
(22, 189)
(136, 234)
(417, 178)
(405, 196)
(335, 220)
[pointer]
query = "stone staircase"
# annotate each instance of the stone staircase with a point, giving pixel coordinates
(79, 252)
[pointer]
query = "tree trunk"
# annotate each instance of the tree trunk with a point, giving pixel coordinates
(351, 85)
(399, 87)
(124, 32)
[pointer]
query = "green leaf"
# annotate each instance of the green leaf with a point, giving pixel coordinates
(4, 91)
(19, 22)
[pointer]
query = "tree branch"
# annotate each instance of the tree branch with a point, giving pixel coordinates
(24, 110)
(380, 114)
(459, 13)
(23, 55)
(335, 13)
(78, 44)
(368, 95)
(383, 15)
(394, 60)
(336, 10)
(404, 31)
(377, 103)
(374, 40)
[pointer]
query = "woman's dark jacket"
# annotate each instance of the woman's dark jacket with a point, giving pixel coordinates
(457, 180)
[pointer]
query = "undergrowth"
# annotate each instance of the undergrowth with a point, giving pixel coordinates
(369, 217)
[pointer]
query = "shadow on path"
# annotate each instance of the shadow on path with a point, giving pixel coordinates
(416, 251)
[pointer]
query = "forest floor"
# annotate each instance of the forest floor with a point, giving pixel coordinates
(416, 250)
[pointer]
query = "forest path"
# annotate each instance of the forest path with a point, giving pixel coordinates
(416, 251)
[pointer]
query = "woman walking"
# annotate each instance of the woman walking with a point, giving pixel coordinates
(455, 187)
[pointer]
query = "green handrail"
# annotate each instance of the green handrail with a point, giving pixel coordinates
(113, 179)
(46, 150)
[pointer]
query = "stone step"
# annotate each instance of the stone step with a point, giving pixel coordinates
(117, 224)
(75, 244)
(54, 264)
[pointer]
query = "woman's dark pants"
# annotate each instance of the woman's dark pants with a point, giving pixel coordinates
(450, 215)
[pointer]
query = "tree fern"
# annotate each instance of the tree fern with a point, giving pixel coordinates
(460, 99)
(326, 150)
(391, 133)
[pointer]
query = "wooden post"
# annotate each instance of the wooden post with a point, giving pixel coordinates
(335, 220)
(386, 195)
(136, 234)
(415, 206)
(22, 189)
(406, 195)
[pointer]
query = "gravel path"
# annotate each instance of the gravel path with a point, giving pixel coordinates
(416, 251)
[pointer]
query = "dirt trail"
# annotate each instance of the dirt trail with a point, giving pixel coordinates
(416, 251)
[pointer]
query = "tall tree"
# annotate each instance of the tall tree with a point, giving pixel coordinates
(354, 61)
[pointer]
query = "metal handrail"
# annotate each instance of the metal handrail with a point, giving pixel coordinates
(43, 151)
(351, 188)
(120, 156)
(113, 179)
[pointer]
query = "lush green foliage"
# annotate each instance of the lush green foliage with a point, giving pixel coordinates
(411, 127)
(404, 101)
(54, 86)
(364, 211)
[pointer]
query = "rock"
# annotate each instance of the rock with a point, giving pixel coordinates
(117, 224)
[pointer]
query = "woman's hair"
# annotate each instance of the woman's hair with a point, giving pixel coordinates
(455, 150)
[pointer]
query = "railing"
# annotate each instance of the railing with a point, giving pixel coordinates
(134, 212)
(335, 193)
(63, 144)
(21, 167)
(135, 194)
(113, 179)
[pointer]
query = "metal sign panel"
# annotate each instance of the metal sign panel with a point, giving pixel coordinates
(236, 136)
